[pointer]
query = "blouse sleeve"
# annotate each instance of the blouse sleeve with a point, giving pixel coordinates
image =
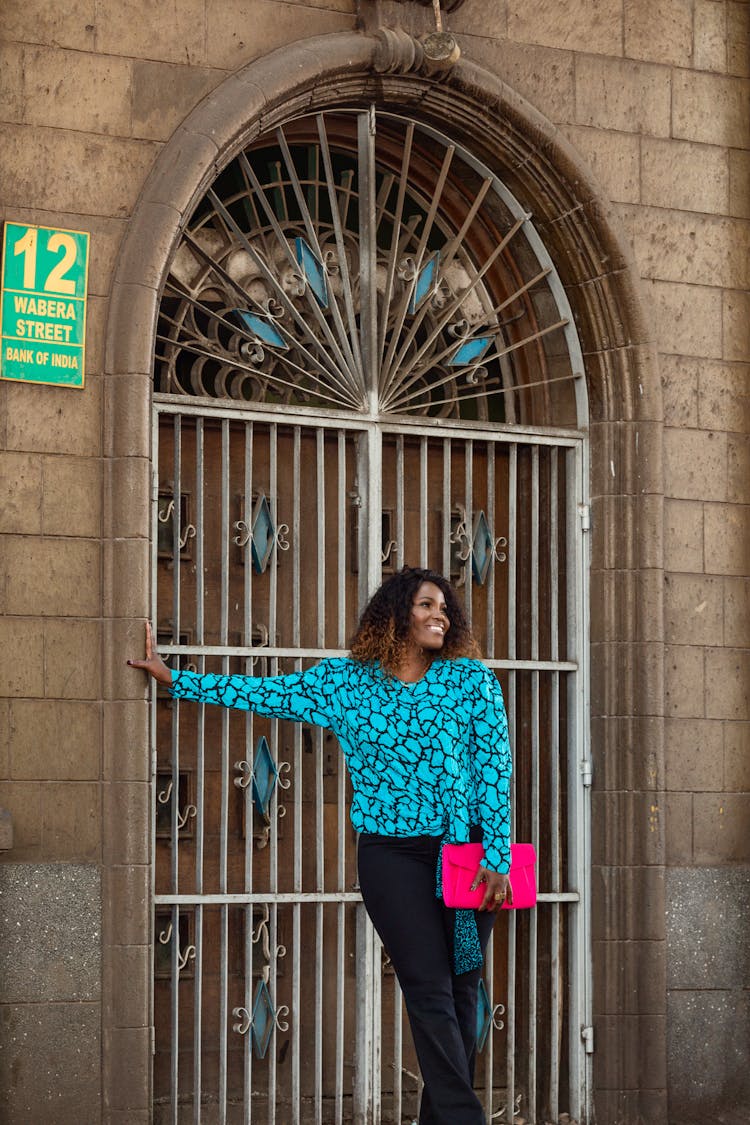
(304, 697)
(492, 767)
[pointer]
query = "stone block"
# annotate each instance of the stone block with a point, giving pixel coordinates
(694, 610)
(614, 521)
(164, 94)
(4, 739)
(126, 985)
(738, 39)
(683, 535)
(127, 1067)
(736, 321)
(627, 903)
(678, 834)
(54, 740)
(738, 468)
(50, 922)
(710, 108)
(727, 680)
(679, 383)
(53, 577)
(71, 821)
(695, 464)
(127, 755)
(69, 25)
(632, 1052)
(627, 826)
(50, 1063)
(127, 822)
(627, 752)
(720, 823)
(109, 175)
(21, 506)
(707, 939)
(737, 757)
(72, 496)
(660, 31)
(127, 508)
(99, 86)
(126, 577)
(21, 657)
(126, 905)
(11, 81)
(710, 36)
(597, 29)
(23, 800)
(694, 755)
(542, 75)
(727, 538)
(739, 183)
(131, 330)
(174, 32)
(723, 399)
(72, 659)
(6, 830)
(691, 248)
(684, 678)
(713, 1026)
(619, 94)
(127, 416)
(686, 176)
(61, 420)
(644, 1107)
(614, 159)
(122, 638)
(629, 977)
(688, 318)
(236, 33)
(96, 330)
(650, 538)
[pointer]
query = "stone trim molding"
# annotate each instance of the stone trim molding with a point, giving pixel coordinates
(583, 235)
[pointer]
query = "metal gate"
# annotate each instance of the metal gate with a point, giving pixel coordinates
(298, 459)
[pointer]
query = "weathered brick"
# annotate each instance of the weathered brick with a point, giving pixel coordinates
(235, 34)
(21, 502)
(684, 681)
(72, 500)
(736, 321)
(109, 171)
(620, 94)
(98, 85)
(727, 538)
(723, 398)
(737, 757)
(596, 28)
(738, 39)
(727, 679)
(164, 94)
(710, 36)
(53, 577)
(695, 464)
(614, 159)
(720, 823)
(688, 318)
(739, 183)
(687, 176)
(72, 659)
(736, 612)
(60, 420)
(21, 657)
(710, 108)
(694, 755)
(71, 821)
(66, 25)
(658, 30)
(693, 610)
(542, 75)
(683, 536)
(679, 384)
(55, 740)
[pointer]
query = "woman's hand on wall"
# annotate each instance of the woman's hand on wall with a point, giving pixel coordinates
(497, 888)
(153, 664)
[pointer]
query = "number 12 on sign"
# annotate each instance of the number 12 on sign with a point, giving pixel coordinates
(44, 277)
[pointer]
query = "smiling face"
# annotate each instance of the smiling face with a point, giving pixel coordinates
(428, 621)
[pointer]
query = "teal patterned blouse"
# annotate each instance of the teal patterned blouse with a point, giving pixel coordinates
(425, 758)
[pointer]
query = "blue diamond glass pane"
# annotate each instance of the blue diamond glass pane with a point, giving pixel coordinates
(263, 1020)
(482, 549)
(265, 776)
(262, 534)
(470, 351)
(262, 329)
(425, 282)
(313, 270)
(484, 1015)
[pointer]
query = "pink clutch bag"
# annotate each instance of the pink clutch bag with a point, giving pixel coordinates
(460, 863)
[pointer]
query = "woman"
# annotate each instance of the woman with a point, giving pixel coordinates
(422, 725)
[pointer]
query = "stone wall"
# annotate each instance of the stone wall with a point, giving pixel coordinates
(655, 98)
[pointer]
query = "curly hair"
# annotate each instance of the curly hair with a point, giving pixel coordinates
(383, 632)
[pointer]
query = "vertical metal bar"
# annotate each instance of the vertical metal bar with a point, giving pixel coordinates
(273, 845)
(154, 616)
(175, 795)
(469, 503)
(510, 1060)
(398, 1051)
(424, 503)
(319, 805)
(223, 830)
(554, 821)
(341, 800)
(400, 522)
(247, 513)
(533, 924)
(447, 507)
(490, 509)
(297, 859)
(200, 771)
(368, 255)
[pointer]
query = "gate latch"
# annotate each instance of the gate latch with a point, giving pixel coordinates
(587, 1034)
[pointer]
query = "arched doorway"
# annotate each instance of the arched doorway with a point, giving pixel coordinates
(364, 357)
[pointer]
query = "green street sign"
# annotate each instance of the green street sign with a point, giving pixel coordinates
(44, 304)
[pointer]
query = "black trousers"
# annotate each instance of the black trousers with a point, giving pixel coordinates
(397, 880)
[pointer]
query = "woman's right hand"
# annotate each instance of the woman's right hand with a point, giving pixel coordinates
(153, 664)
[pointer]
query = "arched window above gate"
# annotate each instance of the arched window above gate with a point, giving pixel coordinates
(359, 261)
